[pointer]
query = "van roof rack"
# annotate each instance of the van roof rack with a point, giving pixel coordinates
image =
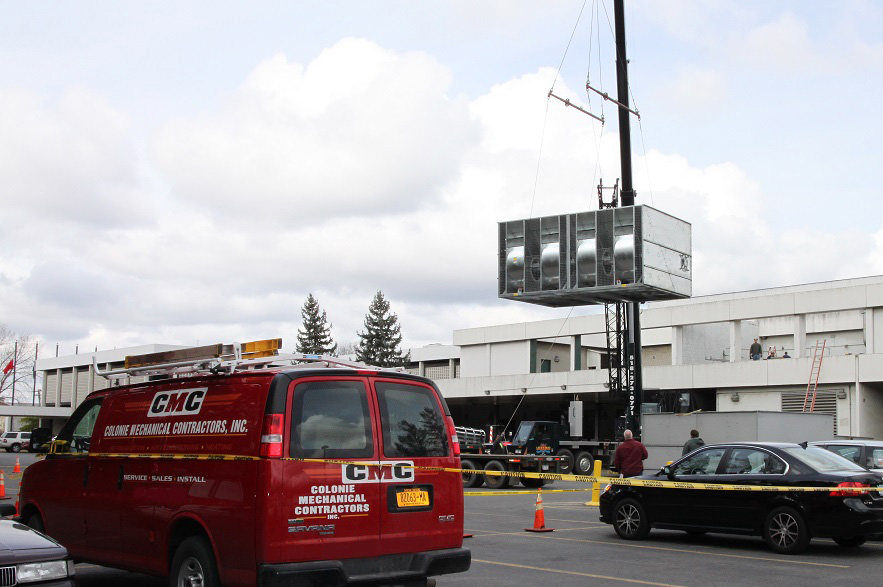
(227, 359)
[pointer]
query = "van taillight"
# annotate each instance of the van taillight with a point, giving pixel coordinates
(271, 435)
(452, 430)
(842, 493)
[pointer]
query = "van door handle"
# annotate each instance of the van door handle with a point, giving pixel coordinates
(120, 478)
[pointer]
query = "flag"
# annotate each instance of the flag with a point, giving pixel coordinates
(8, 367)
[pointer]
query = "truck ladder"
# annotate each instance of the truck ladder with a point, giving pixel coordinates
(813, 385)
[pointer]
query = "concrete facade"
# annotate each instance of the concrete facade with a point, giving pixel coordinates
(697, 345)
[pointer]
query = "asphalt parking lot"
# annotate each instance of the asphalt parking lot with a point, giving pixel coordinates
(582, 551)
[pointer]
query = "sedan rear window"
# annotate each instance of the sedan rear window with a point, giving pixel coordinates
(822, 460)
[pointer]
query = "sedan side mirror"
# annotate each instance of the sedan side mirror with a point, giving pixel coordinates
(666, 470)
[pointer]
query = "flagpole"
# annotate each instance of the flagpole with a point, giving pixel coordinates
(36, 353)
(14, 367)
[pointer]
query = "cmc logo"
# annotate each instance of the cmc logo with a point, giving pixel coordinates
(390, 472)
(176, 403)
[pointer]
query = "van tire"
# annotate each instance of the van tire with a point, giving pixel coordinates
(492, 481)
(194, 564)
(35, 522)
(15, 447)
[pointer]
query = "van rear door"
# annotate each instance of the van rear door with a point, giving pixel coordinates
(333, 509)
(417, 501)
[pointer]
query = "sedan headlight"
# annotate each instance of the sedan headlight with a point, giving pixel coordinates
(45, 571)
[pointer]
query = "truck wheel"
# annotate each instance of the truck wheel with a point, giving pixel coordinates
(492, 481)
(470, 480)
(194, 565)
(566, 464)
(583, 463)
(533, 483)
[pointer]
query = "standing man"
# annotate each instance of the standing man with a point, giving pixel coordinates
(755, 351)
(694, 442)
(629, 456)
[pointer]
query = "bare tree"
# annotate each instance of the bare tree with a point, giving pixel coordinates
(17, 366)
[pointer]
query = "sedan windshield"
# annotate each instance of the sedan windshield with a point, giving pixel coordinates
(822, 460)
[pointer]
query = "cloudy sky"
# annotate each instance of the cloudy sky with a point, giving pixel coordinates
(184, 172)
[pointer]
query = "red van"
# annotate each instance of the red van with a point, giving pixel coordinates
(254, 472)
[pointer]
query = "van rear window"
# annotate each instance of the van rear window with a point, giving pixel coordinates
(330, 419)
(412, 423)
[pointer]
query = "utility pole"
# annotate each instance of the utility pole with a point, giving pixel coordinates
(633, 309)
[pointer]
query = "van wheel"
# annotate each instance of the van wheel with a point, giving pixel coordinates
(35, 522)
(473, 479)
(194, 565)
(16, 447)
(492, 481)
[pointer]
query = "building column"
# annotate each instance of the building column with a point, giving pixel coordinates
(532, 353)
(677, 345)
(576, 352)
(735, 340)
(421, 368)
(58, 375)
(452, 368)
(799, 335)
(868, 315)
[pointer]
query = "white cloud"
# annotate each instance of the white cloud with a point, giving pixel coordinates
(71, 161)
(357, 132)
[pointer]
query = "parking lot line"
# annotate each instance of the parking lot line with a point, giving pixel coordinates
(687, 551)
(575, 573)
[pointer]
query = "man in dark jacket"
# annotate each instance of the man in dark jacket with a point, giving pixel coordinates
(694, 442)
(629, 456)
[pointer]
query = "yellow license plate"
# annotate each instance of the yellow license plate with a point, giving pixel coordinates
(412, 498)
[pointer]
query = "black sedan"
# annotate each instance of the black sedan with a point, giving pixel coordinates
(29, 557)
(787, 520)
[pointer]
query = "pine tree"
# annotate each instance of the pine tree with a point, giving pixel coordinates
(315, 338)
(379, 343)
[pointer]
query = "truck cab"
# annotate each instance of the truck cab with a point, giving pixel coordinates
(541, 437)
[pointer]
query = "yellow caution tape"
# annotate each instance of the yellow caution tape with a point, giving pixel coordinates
(627, 481)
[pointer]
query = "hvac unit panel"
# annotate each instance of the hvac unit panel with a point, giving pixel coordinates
(628, 254)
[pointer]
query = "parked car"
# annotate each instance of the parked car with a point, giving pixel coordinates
(41, 438)
(786, 520)
(15, 441)
(29, 557)
(865, 453)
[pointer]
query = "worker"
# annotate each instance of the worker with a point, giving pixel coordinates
(694, 442)
(629, 457)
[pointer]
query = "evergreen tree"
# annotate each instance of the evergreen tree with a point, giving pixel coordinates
(379, 343)
(315, 338)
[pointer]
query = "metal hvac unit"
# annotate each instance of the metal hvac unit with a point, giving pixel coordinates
(531, 257)
(632, 253)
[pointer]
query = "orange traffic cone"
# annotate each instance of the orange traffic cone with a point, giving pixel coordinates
(2, 485)
(17, 467)
(539, 518)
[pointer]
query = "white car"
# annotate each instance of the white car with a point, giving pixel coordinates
(15, 441)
